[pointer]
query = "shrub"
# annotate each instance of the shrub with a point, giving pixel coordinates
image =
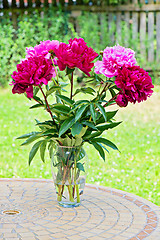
(33, 27)
(30, 30)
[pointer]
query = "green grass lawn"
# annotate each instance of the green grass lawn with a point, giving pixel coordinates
(136, 169)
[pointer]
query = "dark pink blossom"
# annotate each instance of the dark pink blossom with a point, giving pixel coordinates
(135, 85)
(75, 54)
(45, 48)
(115, 58)
(32, 72)
(121, 100)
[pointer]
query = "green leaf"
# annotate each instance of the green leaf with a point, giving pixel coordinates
(51, 90)
(103, 147)
(93, 113)
(48, 123)
(82, 154)
(113, 93)
(106, 142)
(34, 151)
(107, 126)
(31, 139)
(37, 121)
(92, 135)
(76, 128)
(89, 124)
(47, 87)
(115, 87)
(40, 124)
(38, 99)
(28, 135)
(50, 148)
(98, 78)
(60, 108)
(49, 131)
(66, 99)
(42, 150)
(66, 125)
(99, 149)
(79, 102)
(37, 106)
(78, 140)
(102, 109)
(80, 166)
(111, 114)
(69, 70)
(35, 91)
(82, 133)
(65, 141)
(80, 112)
(51, 143)
(103, 96)
(85, 90)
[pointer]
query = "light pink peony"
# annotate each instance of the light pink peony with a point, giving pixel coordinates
(135, 84)
(32, 72)
(45, 48)
(75, 54)
(115, 58)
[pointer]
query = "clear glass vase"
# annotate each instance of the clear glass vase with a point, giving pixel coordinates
(69, 165)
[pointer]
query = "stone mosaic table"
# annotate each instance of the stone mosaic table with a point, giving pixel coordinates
(29, 211)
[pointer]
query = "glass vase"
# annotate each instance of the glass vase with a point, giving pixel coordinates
(69, 174)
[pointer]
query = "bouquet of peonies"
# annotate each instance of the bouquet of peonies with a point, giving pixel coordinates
(45, 73)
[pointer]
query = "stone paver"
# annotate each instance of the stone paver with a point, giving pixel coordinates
(104, 213)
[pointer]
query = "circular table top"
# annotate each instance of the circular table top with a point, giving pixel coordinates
(29, 211)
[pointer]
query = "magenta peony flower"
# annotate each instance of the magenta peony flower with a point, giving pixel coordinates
(135, 84)
(42, 49)
(121, 100)
(32, 72)
(75, 54)
(115, 58)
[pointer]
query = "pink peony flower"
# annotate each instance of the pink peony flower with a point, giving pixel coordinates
(44, 48)
(32, 72)
(75, 54)
(135, 84)
(115, 58)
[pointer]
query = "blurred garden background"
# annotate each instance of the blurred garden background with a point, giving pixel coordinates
(133, 24)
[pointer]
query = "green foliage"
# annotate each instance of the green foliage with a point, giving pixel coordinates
(136, 169)
(104, 33)
(57, 26)
(30, 30)
(73, 122)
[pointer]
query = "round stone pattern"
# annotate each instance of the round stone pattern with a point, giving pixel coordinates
(29, 210)
(20, 213)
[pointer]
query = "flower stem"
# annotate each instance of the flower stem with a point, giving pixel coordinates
(107, 85)
(75, 177)
(70, 193)
(113, 98)
(48, 108)
(59, 197)
(71, 86)
(55, 72)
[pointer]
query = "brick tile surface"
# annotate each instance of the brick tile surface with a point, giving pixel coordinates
(104, 213)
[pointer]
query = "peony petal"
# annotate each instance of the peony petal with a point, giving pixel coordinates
(43, 80)
(29, 92)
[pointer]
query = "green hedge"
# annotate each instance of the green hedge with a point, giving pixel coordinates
(31, 29)
(35, 27)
